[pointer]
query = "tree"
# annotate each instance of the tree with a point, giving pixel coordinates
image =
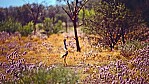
(25, 16)
(73, 12)
(112, 20)
(2, 16)
(139, 7)
(36, 11)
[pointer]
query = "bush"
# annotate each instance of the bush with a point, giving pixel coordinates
(27, 29)
(62, 75)
(57, 27)
(36, 76)
(50, 28)
(10, 26)
(129, 48)
(52, 75)
(40, 26)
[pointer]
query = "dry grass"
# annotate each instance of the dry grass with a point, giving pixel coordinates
(51, 54)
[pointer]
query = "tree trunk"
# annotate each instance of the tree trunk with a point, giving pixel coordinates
(66, 26)
(112, 41)
(53, 20)
(123, 37)
(34, 28)
(76, 36)
(111, 46)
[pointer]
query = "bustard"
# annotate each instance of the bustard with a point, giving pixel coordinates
(66, 53)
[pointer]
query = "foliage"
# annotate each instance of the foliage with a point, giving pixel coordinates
(62, 75)
(35, 12)
(139, 7)
(57, 27)
(130, 48)
(2, 15)
(37, 76)
(112, 20)
(50, 28)
(9, 26)
(88, 13)
(27, 29)
(39, 26)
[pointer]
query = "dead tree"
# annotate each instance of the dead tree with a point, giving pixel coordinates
(66, 53)
(73, 15)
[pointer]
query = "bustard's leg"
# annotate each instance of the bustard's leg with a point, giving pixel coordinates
(65, 64)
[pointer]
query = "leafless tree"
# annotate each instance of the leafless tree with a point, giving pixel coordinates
(73, 12)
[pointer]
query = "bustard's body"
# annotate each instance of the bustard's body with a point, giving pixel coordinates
(66, 52)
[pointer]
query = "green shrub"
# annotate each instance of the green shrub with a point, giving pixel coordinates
(27, 29)
(41, 75)
(36, 77)
(62, 75)
(48, 26)
(10, 26)
(57, 27)
(40, 26)
(51, 28)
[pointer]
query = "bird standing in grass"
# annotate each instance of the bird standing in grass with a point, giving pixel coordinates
(66, 53)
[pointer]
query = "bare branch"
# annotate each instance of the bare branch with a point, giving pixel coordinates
(69, 6)
(33, 15)
(82, 6)
(70, 16)
(77, 3)
(29, 9)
